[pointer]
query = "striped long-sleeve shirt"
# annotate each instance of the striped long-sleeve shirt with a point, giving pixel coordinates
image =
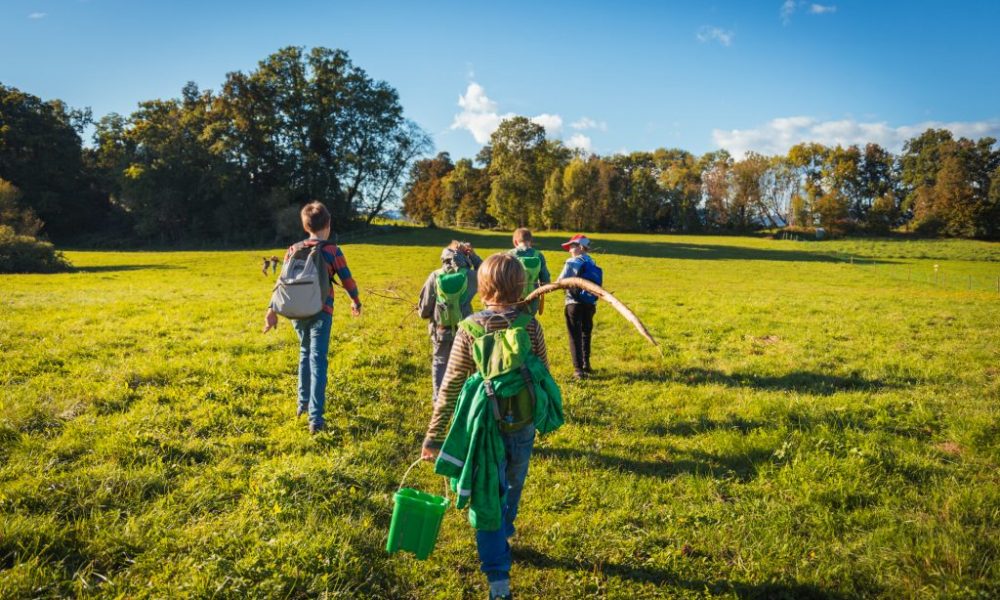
(461, 366)
(336, 265)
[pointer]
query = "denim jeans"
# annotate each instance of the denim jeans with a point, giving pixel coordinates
(493, 547)
(314, 342)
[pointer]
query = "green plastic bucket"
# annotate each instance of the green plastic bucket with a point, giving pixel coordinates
(416, 521)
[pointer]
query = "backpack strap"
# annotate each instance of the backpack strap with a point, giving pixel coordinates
(522, 320)
(474, 329)
(528, 383)
(491, 394)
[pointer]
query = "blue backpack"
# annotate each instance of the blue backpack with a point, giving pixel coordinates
(591, 272)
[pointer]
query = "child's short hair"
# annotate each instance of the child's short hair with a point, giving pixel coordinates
(501, 280)
(521, 235)
(315, 217)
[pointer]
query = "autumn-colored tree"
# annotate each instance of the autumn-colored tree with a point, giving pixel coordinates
(716, 169)
(423, 196)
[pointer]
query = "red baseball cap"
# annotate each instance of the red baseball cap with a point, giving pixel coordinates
(577, 239)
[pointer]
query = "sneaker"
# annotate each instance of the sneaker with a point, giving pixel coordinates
(299, 412)
(500, 590)
(588, 370)
(579, 375)
(315, 428)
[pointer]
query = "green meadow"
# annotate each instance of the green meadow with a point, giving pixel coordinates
(812, 429)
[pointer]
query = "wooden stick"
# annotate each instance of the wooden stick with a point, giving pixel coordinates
(593, 288)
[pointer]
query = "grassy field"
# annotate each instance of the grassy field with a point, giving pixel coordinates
(814, 429)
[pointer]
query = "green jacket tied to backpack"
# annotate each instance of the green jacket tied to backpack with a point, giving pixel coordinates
(510, 389)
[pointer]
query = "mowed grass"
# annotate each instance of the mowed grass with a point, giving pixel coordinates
(812, 429)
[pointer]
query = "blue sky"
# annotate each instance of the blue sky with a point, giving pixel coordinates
(604, 76)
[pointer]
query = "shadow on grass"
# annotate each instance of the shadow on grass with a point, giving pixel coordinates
(664, 577)
(705, 424)
(641, 249)
(821, 384)
(117, 268)
(743, 467)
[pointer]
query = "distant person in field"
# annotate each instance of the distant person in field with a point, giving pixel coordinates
(533, 261)
(445, 300)
(580, 305)
(314, 332)
(496, 394)
(267, 263)
(275, 261)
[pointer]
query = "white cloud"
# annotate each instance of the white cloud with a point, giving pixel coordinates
(778, 135)
(584, 123)
(708, 34)
(787, 9)
(551, 123)
(37, 15)
(580, 142)
(481, 116)
(476, 100)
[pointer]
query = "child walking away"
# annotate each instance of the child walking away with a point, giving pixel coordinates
(580, 304)
(445, 300)
(304, 293)
(535, 269)
(497, 393)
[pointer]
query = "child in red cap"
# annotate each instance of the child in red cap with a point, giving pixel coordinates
(580, 305)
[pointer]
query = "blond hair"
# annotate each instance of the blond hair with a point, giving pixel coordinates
(501, 280)
(522, 235)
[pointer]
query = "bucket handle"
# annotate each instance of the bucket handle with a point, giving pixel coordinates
(407, 474)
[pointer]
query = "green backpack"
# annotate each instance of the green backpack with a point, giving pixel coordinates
(532, 267)
(450, 293)
(501, 353)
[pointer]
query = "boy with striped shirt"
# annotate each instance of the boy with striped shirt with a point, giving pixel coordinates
(501, 281)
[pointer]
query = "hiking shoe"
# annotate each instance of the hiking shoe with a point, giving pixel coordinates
(500, 590)
(315, 428)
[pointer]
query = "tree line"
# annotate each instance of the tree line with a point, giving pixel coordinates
(231, 166)
(235, 165)
(937, 185)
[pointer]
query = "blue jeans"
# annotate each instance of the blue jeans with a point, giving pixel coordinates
(493, 547)
(314, 342)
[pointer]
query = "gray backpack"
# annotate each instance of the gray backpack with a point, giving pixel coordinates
(299, 291)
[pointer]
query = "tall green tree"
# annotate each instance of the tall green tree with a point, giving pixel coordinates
(717, 183)
(554, 203)
(519, 153)
(21, 219)
(41, 155)
(465, 192)
(680, 177)
(316, 125)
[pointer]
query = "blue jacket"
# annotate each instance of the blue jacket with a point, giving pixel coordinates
(572, 268)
